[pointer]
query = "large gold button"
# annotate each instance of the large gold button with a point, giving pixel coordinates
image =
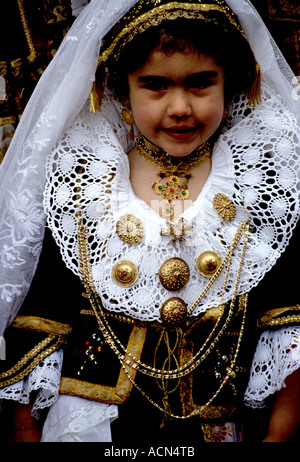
(173, 312)
(125, 273)
(208, 262)
(174, 274)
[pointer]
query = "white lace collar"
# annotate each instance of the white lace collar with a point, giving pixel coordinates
(247, 167)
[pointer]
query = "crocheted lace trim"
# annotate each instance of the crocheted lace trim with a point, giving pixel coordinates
(277, 356)
(44, 378)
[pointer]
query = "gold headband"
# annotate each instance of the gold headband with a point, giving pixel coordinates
(148, 13)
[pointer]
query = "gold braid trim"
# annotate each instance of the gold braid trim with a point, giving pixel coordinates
(9, 120)
(41, 324)
(158, 14)
(28, 362)
(278, 317)
(32, 56)
(104, 393)
(36, 355)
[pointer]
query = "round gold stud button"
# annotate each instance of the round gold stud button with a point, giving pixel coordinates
(208, 262)
(173, 312)
(125, 273)
(174, 274)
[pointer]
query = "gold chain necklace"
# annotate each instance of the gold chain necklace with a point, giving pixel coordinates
(126, 359)
(175, 172)
(113, 341)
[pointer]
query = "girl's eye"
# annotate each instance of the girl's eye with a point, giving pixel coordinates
(156, 84)
(155, 87)
(201, 80)
(198, 83)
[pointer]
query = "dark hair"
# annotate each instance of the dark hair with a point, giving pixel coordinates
(228, 48)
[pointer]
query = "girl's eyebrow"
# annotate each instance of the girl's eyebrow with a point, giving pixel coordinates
(198, 75)
(154, 78)
(203, 75)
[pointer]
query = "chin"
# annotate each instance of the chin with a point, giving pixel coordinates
(180, 152)
(181, 149)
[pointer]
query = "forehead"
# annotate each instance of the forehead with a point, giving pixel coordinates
(178, 65)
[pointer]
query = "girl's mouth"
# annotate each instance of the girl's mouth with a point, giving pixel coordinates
(182, 132)
(182, 129)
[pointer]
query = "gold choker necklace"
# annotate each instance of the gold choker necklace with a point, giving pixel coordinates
(175, 172)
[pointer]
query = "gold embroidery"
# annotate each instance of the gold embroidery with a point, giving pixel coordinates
(29, 40)
(275, 317)
(57, 332)
(41, 324)
(10, 120)
(121, 391)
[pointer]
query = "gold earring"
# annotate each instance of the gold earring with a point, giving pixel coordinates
(127, 117)
(225, 113)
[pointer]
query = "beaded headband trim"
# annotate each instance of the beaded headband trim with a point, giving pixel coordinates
(148, 13)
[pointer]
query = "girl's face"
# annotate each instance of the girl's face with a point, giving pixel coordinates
(177, 101)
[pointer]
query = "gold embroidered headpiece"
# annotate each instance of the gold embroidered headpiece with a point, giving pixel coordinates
(148, 13)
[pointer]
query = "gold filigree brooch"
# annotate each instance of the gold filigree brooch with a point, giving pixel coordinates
(130, 229)
(224, 207)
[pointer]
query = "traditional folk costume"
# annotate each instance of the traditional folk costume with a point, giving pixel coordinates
(114, 310)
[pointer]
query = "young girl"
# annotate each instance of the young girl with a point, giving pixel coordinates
(163, 300)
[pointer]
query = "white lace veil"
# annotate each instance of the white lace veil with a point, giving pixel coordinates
(59, 96)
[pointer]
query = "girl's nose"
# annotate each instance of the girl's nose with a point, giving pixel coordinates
(179, 103)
